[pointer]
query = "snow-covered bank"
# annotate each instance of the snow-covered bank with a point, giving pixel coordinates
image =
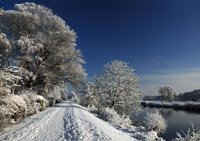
(194, 106)
(70, 122)
(13, 108)
(124, 124)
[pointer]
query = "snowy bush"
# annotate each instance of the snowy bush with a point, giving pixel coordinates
(43, 103)
(156, 122)
(19, 104)
(147, 136)
(114, 118)
(34, 102)
(6, 113)
(190, 135)
(29, 103)
(124, 124)
(12, 107)
(37, 102)
(4, 91)
(16, 107)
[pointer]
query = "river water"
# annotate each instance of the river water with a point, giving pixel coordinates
(177, 121)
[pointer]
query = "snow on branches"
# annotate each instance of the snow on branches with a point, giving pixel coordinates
(40, 42)
(155, 122)
(5, 48)
(117, 87)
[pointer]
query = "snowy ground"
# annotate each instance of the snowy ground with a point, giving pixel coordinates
(65, 122)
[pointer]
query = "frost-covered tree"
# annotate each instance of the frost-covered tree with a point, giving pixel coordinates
(117, 87)
(72, 97)
(88, 98)
(167, 93)
(5, 48)
(35, 39)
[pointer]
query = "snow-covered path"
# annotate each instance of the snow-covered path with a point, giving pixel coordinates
(65, 122)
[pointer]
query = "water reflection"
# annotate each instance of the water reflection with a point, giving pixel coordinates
(167, 113)
(176, 120)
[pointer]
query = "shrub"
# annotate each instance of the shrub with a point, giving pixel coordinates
(4, 91)
(43, 103)
(12, 108)
(190, 135)
(19, 105)
(37, 102)
(111, 116)
(28, 97)
(51, 101)
(16, 107)
(29, 103)
(88, 100)
(156, 122)
(6, 113)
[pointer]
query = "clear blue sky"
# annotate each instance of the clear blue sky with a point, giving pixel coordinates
(157, 37)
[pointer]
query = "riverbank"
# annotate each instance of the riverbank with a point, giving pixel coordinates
(193, 106)
(177, 120)
(71, 121)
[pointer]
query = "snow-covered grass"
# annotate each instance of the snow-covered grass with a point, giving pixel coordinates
(143, 135)
(187, 105)
(115, 119)
(191, 135)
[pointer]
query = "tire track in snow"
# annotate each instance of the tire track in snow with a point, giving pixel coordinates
(84, 126)
(40, 127)
(79, 129)
(65, 122)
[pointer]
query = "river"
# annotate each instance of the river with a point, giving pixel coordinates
(176, 121)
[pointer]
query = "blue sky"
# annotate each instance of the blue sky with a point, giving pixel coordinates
(159, 38)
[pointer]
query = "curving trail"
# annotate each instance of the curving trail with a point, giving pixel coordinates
(66, 121)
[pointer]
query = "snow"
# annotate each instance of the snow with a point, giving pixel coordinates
(155, 121)
(66, 121)
(174, 104)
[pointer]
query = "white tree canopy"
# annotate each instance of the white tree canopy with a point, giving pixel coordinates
(117, 87)
(37, 40)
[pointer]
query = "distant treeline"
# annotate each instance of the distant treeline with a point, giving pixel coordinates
(187, 96)
(190, 96)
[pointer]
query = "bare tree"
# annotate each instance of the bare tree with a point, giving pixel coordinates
(167, 93)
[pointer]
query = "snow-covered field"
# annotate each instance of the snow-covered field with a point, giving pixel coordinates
(65, 122)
